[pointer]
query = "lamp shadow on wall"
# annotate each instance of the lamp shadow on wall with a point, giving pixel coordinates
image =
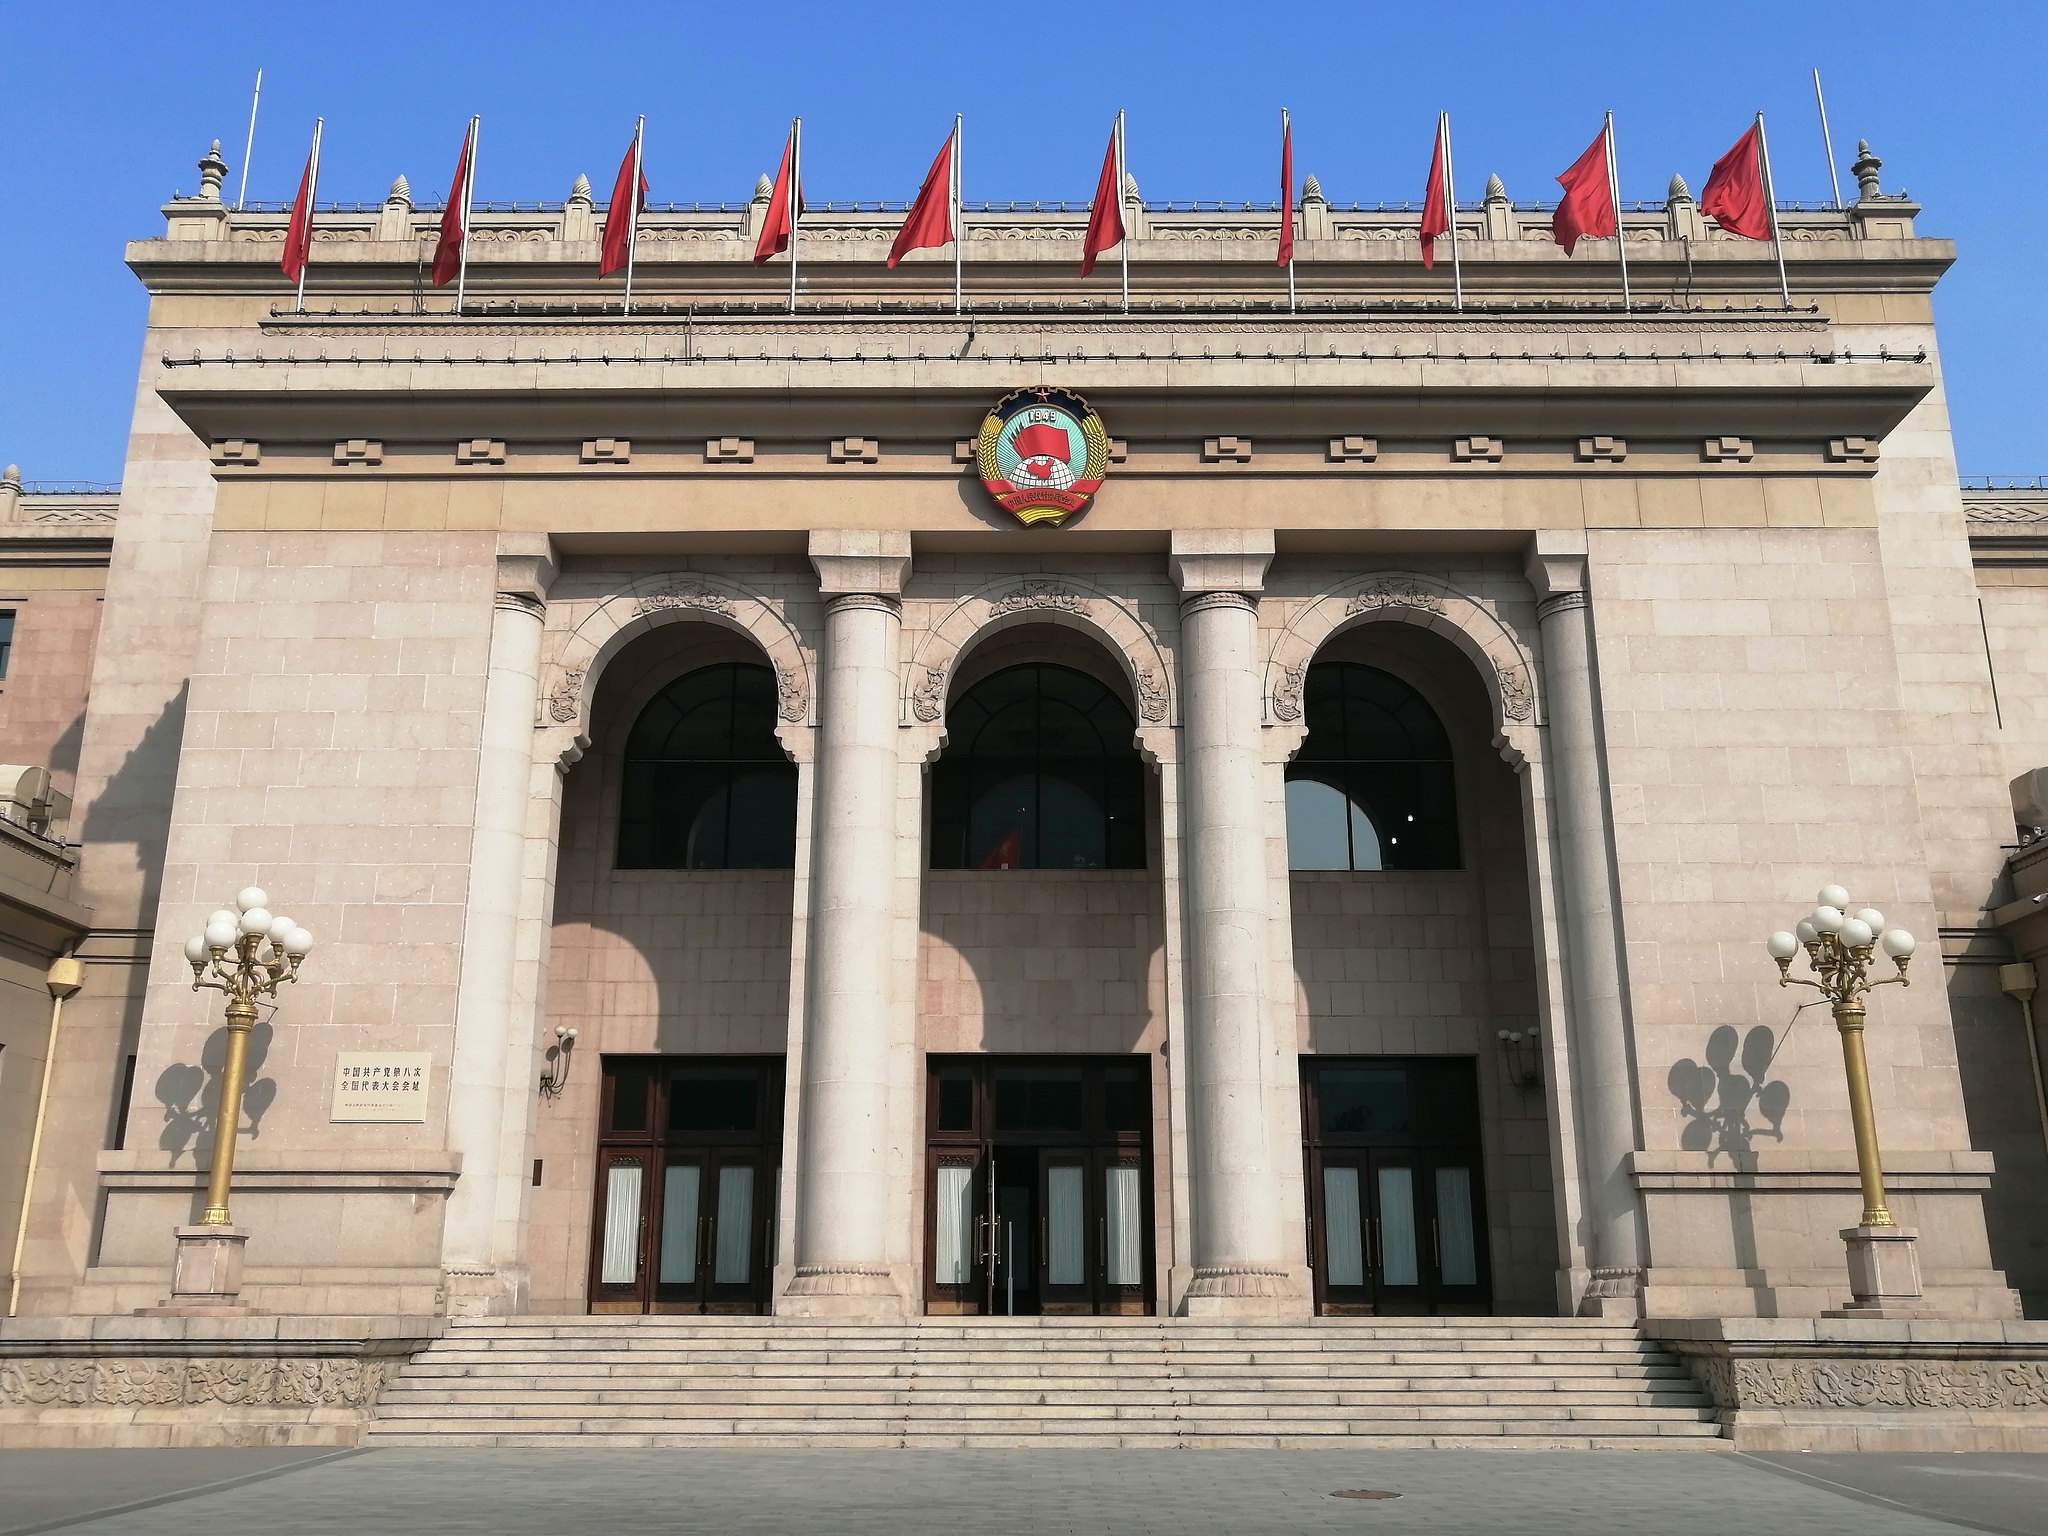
(1727, 1111)
(190, 1095)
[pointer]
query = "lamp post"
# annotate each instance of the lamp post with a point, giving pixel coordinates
(1884, 1272)
(244, 955)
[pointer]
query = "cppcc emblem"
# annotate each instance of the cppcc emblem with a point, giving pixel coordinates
(1042, 454)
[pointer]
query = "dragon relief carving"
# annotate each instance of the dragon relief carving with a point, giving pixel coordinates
(928, 700)
(562, 702)
(1395, 592)
(1037, 594)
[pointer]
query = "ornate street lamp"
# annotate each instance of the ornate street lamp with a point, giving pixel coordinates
(1884, 1272)
(244, 955)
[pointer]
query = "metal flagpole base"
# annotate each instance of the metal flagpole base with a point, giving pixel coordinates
(206, 1280)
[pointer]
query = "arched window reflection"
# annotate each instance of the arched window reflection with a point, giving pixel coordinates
(1039, 772)
(707, 785)
(1372, 786)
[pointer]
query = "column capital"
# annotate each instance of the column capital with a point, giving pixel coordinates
(1201, 602)
(526, 565)
(1220, 560)
(860, 561)
(1555, 562)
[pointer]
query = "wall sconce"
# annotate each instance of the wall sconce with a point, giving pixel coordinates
(556, 1078)
(1518, 1054)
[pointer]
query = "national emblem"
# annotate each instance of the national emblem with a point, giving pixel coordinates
(1042, 454)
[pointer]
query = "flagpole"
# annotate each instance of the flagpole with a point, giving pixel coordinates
(1827, 139)
(1614, 194)
(1451, 210)
(959, 230)
(796, 180)
(1286, 200)
(1123, 246)
(1763, 149)
(632, 210)
(468, 201)
(249, 149)
(312, 202)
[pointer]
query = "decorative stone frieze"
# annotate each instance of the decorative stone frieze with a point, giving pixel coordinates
(1727, 450)
(1354, 450)
(1395, 592)
(236, 452)
(684, 594)
(1226, 450)
(358, 451)
(562, 703)
(145, 1383)
(1037, 594)
(1602, 450)
(1478, 450)
(480, 450)
(729, 450)
(607, 450)
(854, 450)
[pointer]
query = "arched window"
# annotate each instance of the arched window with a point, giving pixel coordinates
(1372, 786)
(707, 785)
(1039, 772)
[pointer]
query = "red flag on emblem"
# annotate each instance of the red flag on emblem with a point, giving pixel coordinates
(1286, 191)
(1587, 210)
(1436, 201)
(1734, 196)
(298, 235)
(931, 217)
(778, 227)
(455, 218)
(622, 219)
(1106, 213)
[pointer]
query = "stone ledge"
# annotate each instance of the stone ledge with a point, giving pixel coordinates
(1905, 1172)
(1844, 1384)
(198, 1381)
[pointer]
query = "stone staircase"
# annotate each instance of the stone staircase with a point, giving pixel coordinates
(1549, 1384)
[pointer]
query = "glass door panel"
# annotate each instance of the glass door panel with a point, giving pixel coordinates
(1400, 1262)
(1123, 1226)
(1457, 1242)
(620, 1249)
(681, 1182)
(1064, 1234)
(1343, 1228)
(734, 1246)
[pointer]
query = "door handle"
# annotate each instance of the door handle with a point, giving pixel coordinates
(1436, 1248)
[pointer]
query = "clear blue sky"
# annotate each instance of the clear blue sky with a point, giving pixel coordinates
(106, 109)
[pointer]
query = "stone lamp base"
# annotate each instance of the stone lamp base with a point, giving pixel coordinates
(1884, 1274)
(206, 1280)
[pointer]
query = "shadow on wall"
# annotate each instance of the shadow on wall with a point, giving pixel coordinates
(134, 805)
(190, 1094)
(1719, 1101)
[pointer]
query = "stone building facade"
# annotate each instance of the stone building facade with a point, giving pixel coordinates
(622, 700)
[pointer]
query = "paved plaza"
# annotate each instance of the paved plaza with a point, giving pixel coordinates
(997, 1493)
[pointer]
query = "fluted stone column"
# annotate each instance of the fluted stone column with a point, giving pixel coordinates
(480, 1237)
(1589, 920)
(843, 1265)
(1239, 1259)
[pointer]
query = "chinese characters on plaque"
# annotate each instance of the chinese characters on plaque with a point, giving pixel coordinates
(381, 1086)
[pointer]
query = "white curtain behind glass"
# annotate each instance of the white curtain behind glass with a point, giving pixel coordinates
(1343, 1231)
(1065, 1260)
(621, 1225)
(732, 1259)
(1126, 1256)
(1460, 1257)
(1398, 1260)
(956, 1224)
(679, 1224)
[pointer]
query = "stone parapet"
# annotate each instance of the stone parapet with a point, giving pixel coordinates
(192, 1381)
(1839, 1384)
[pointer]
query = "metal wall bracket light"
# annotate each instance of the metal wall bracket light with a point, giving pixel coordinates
(556, 1077)
(1520, 1056)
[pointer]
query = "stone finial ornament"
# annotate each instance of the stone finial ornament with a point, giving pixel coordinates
(1499, 221)
(1131, 193)
(1682, 217)
(10, 494)
(400, 194)
(1678, 192)
(763, 189)
(580, 193)
(212, 172)
(1496, 190)
(1865, 171)
(1311, 189)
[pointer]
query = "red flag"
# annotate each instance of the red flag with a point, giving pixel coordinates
(1105, 214)
(1734, 195)
(1007, 854)
(623, 216)
(1286, 192)
(298, 235)
(454, 221)
(931, 216)
(1587, 210)
(779, 226)
(1436, 201)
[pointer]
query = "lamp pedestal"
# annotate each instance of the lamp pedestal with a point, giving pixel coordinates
(206, 1280)
(1884, 1274)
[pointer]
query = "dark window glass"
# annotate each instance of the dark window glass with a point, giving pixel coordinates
(1372, 787)
(1038, 1099)
(707, 785)
(713, 1099)
(1039, 772)
(956, 1099)
(6, 638)
(629, 1098)
(1123, 1099)
(1363, 1100)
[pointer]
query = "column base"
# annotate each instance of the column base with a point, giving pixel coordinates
(206, 1276)
(868, 1292)
(478, 1291)
(1613, 1292)
(1884, 1275)
(1246, 1291)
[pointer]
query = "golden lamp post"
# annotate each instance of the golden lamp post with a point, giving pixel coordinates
(1841, 947)
(244, 955)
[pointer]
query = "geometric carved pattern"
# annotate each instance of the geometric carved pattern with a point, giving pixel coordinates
(1728, 450)
(170, 1383)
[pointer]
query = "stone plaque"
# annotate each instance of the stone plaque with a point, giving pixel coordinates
(383, 1086)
